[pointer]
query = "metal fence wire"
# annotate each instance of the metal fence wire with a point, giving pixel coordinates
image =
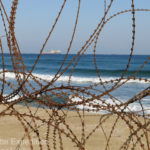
(57, 127)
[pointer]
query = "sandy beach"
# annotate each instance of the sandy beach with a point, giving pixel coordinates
(98, 126)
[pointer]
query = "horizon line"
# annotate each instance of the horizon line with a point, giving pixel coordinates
(76, 53)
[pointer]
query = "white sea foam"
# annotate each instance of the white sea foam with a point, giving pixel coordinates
(134, 107)
(76, 79)
(13, 98)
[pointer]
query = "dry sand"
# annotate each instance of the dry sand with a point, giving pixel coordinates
(11, 131)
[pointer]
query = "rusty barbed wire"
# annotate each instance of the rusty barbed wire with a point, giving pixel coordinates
(65, 125)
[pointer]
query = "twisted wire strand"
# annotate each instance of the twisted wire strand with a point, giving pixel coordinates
(55, 126)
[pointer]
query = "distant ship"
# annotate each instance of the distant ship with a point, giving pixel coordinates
(53, 52)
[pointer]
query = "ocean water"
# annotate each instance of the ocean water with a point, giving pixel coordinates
(110, 67)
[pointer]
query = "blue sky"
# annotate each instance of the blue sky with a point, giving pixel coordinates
(36, 17)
